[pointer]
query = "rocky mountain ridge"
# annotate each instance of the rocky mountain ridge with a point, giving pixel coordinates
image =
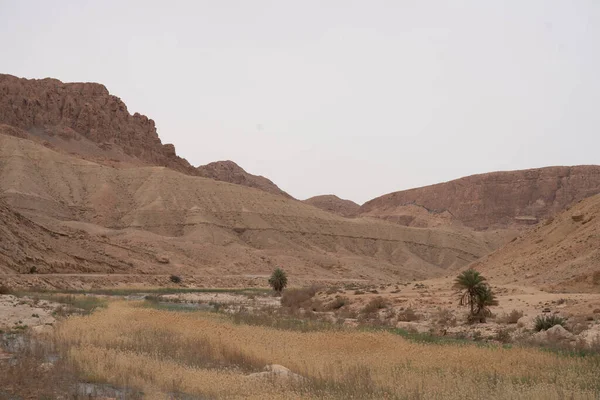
(85, 119)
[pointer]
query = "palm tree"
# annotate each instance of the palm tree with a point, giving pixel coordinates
(278, 280)
(485, 299)
(468, 284)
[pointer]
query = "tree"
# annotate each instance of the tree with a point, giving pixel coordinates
(485, 299)
(278, 280)
(468, 284)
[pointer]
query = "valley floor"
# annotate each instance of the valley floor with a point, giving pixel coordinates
(407, 340)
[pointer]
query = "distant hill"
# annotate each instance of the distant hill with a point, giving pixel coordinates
(492, 200)
(333, 204)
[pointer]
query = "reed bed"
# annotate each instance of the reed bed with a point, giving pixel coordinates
(209, 355)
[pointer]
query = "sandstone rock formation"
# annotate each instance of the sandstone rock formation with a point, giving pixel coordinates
(85, 119)
(497, 199)
(333, 204)
(70, 110)
(228, 171)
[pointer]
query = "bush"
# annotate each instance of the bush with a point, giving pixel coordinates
(5, 289)
(408, 315)
(445, 317)
(545, 322)
(278, 280)
(511, 318)
(503, 336)
(298, 298)
(175, 279)
(338, 303)
(375, 305)
(33, 270)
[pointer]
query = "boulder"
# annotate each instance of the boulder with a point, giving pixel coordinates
(275, 371)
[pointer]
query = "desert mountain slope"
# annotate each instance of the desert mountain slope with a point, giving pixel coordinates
(563, 250)
(228, 171)
(25, 244)
(204, 226)
(493, 200)
(333, 204)
(86, 120)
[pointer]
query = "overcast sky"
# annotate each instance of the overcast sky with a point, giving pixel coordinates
(355, 98)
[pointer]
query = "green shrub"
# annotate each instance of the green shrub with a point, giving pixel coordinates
(175, 279)
(278, 280)
(545, 322)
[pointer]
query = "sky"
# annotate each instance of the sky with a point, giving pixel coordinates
(353, 98)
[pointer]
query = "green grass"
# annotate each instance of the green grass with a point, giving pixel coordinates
(131, 291)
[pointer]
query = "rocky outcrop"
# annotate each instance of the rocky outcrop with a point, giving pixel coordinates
(85, 119)
(51, 107)
(228, 171)
(497, 199)
(333, 204)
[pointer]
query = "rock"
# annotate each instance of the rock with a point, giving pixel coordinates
(163, 259)
(276, 371)
(526, 322)
(577, 217)
(557, 332)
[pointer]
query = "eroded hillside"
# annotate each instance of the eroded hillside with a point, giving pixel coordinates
(202, 225)
(563, 251)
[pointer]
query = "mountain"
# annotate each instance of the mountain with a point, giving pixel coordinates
(335, 205)
(492, 200)
(562, 252)
(205, 227)
(228, 171)
(86, 120)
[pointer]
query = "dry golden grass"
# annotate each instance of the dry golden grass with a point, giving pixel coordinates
(208, 355)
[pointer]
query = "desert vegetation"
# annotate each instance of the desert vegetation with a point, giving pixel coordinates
(159, 351)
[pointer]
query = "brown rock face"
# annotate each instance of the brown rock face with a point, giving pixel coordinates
(85, 119)
(51, 107)
(497, 199)
(228, 171)
(333, 204)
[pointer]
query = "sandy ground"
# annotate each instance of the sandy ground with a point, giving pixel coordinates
(21, 313)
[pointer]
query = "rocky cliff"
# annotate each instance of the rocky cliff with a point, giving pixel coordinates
(70, 110)
(86, 120)
(497, 199)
